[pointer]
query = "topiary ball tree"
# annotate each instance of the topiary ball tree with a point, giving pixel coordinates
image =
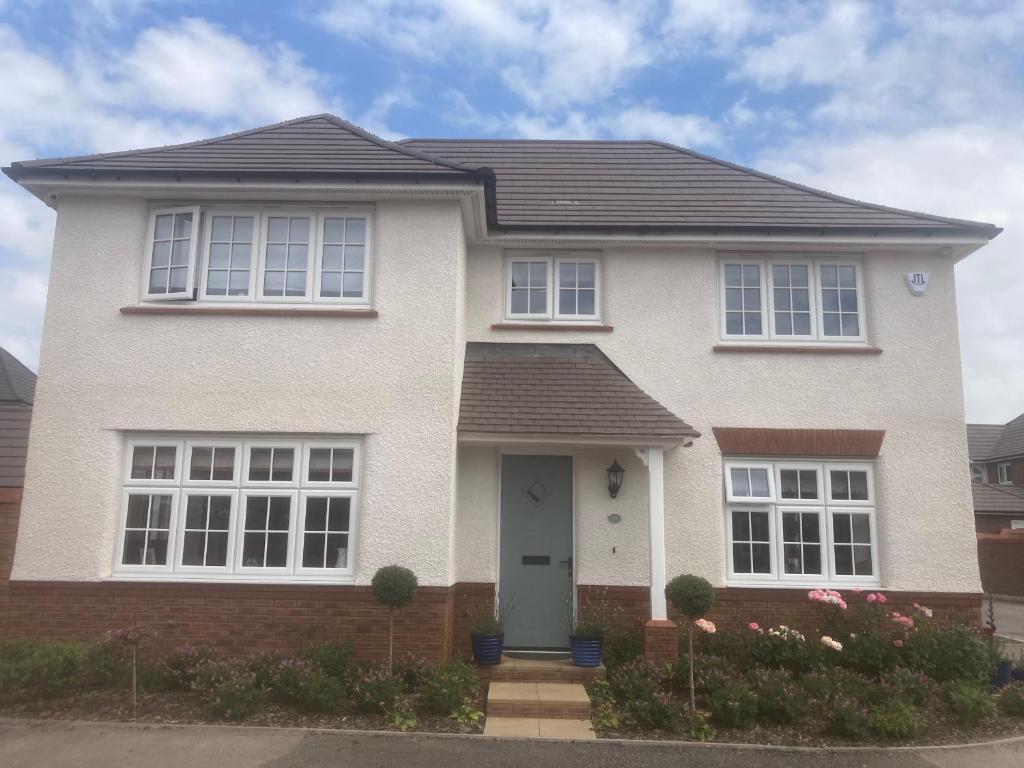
(693, 597)
(395, 587)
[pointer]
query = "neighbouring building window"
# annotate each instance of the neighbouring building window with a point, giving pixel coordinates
(978, 472)
(237, 508)
(563, 287)
(259, 254)
(1003, 473)
(800, 522)
(813, 300)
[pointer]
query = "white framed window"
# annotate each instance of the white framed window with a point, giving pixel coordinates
(171, 245)
(801, 522)
(239, 509)
(1016, 524)
(978, 473)
(1003, 473)
(564, 286)
(259, 254)
(792, 300)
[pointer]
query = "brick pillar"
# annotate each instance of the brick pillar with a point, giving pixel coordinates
(661, 641)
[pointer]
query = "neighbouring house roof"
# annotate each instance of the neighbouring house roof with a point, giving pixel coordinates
(1011, 440)
(834, 443)
(17, 382)
(646, 186)
(981, 439)
(558, 389)
(997, 498)
(17, 391)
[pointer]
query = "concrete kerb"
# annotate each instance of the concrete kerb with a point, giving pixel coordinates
(660, 743)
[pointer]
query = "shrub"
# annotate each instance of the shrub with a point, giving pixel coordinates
(1011, 699)
(896, 719)
(970, 701)
(779, 700)
(712, 673)
(264, 668)
(916, 688)
(336, 660)
(447, 687)
(846, 718)
(412, 672)
(375, 691)
(950, 653)
(869, 652)
(228, 688)
(637, 688)
(698, 728)
(691, 595)
(734, 704)
(299, 682)
(735, 647)
(31, 667)
(621, 645)
(782, 648)
(394, 586)
(826, 687)
(181, 667)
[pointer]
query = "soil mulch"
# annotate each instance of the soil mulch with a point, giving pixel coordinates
(179, 708)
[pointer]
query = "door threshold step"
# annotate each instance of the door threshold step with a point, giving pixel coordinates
(540, 727)
(538, 700)
(520, 670)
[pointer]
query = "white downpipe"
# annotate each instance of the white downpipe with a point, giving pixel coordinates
(656, 505)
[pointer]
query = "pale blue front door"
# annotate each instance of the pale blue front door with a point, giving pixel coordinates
(536, 550)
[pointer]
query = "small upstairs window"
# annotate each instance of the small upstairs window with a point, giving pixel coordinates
(171, 254)
(978, 473)
(562, 287)
(1003, 473)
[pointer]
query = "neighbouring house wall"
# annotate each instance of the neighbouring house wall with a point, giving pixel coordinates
(994, 523)
(912, 390)
(10, 506)
(392, 379)
(1001, 558)
(1016, 471)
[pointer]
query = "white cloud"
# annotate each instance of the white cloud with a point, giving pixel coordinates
(970, 170)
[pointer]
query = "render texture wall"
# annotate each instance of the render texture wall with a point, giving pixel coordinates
(102, 372)
(663, 304)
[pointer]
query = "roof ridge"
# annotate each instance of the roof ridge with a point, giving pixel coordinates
(14, 376)
(828, 195)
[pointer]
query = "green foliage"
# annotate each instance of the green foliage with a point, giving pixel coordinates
(447, 687)
(303, 684)
(411, 672)
(228, 688)
(782, 648)
(847, 719)
(712, 672)
(394, 586)
(698, 728)
(734, 705)
(1011, 699)
(779, 699)
(605, 717)
(336, 660)
(914, 687)
(467, 715)
(971, 702)
(402, 719)
(488, 619)
(621, 645)
(735, 647)
(896, 719)
(691, 595)
(375, 691)
(950, 653)
(181, 667)
(637, 689)
(869, 653)
(45, 668)
(824, 687)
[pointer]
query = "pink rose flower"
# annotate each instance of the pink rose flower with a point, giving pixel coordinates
(898, 643)
(872, 598)
(754, 626)
(882, 598)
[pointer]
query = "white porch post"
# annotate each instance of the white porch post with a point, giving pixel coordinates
(656, 505)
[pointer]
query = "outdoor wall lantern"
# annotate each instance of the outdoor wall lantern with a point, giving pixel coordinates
(615, 473)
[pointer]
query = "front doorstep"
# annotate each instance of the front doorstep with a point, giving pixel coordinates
(537, 671)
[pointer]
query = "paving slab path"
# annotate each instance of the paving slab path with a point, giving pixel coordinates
(57, 744)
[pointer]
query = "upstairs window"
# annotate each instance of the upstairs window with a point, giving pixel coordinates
(792, 300)
(562, 287)
(265, 255)
(1003, 474)
(978, 473)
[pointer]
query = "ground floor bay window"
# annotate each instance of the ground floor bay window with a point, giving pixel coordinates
(798, 523)
(263, 509)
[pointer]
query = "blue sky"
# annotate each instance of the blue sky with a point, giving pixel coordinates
(917, 104)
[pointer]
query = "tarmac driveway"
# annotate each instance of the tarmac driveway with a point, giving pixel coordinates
(53, 744)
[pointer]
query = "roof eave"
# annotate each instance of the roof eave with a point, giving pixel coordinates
(985, 232)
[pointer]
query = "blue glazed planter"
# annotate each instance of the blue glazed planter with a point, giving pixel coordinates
(1017, 674)
(586, 651)
(1002, 676)
(487, 648)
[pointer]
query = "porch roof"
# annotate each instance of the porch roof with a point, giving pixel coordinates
(558, 390)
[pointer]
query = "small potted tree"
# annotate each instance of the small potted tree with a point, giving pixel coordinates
(395, 587)
(693, 597)
(586, 642)
(487, 634)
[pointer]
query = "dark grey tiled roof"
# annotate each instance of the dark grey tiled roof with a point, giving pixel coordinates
(17, 382)
(997, 498)
(317, 144)
(981, 439)
(14, 423)
(557, 389)
(1011, 440)
(652, 185)
(538, 185)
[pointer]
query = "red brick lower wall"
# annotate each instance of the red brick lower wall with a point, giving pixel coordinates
(469, 599)
(10, 509)
(735, 607)
(1001, 560)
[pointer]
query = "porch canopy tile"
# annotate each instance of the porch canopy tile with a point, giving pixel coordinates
(558, 389)
(833, 443)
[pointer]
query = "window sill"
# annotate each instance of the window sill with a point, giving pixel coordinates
(265, 311)
(181, 578)
(824, 584)
(585, 328)
(799, 349)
